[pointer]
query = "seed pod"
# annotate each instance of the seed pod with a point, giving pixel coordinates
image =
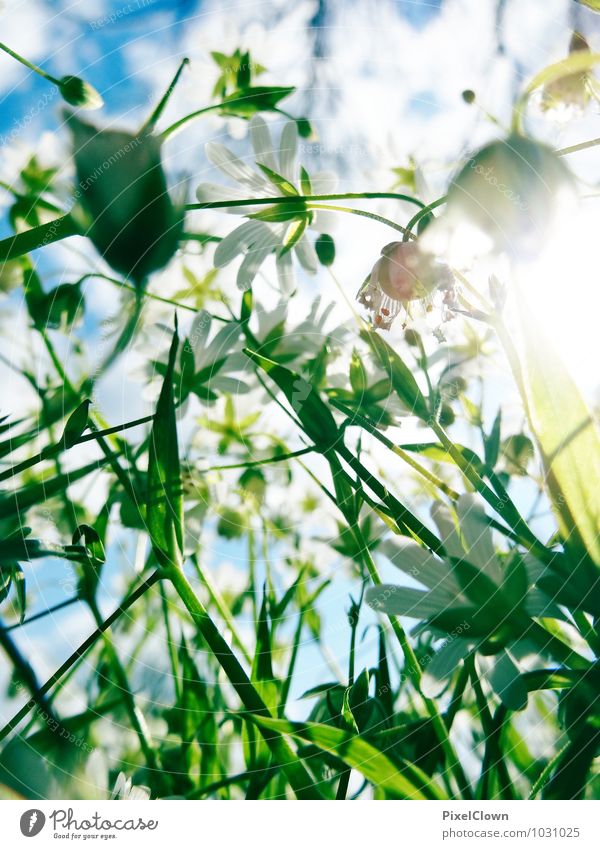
(122, 200)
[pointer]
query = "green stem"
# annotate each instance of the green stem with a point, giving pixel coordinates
(299, 778)
(81, 651)
(364, 214)
(48, 612)
(421, 214)
(564, 151)
(38, 237)
(150, 123)
(178, 125)
(545, 774)
(415, 673)
(51, 451)
(362, 421)
(135, 715)
(296, 199)
(29, 64)
(222, 607)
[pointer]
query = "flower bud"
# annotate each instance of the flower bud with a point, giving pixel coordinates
(122, 200)
(510, 197)
(568, 96)
(79, 93)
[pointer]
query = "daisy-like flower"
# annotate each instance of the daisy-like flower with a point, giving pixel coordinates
(279, 229)
(126, 790)
(402, 274)
(474, 600)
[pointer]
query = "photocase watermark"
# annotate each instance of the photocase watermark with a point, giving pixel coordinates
(65, 825)
(32, 822)
(490, 177)
(118, 14)
(21, 124)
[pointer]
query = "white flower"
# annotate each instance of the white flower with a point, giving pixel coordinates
(448, 597)
(127, 791)
(279, 229)
(402, 274)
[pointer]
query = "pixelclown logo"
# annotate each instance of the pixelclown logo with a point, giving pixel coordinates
(32, 822)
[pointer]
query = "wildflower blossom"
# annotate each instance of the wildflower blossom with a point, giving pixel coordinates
(402, 274)
(279, 229)
(472, 599)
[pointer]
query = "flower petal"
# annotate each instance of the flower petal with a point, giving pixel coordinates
(237, 242)
(414, 561)
(403, 601)
(288, 145)
(447, 530)
(439, 670)
(506, 681)
(307, 255)
(223, 159)
(262, 143)
(285, 273)
(478, 537)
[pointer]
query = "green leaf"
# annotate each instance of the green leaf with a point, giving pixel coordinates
(398, 779)
(164, 509)
(492, 442)
(246, 102)
(315, 416)
(358, 375)
(76, 424)
(284, 185)
(404, 383)
(568, 439)
(258, 754)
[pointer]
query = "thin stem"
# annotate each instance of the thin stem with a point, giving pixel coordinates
(299, 778)
(178, 125)
(170, 642)
(298, 199)
(421, 214)
(362, 421)
(51, 451)
(150, 123)
(29, 64)
(81, 651)
(415, 673)
(252, 463)
(48, 612)
(564, 151)
(222, 607)
(364, 214)
(38, 237)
